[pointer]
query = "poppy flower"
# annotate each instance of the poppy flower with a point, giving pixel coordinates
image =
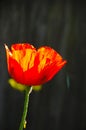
(30, 66)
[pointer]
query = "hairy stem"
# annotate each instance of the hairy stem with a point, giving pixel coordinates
(26, 103)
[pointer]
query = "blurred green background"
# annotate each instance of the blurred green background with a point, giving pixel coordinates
(61, 24)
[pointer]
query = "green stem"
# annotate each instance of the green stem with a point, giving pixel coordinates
(26, 103)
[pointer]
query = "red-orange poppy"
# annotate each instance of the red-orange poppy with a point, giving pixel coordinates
(29, 66)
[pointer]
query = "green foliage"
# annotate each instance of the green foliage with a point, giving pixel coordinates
(37, 87)
(22, 87)
(16, 85)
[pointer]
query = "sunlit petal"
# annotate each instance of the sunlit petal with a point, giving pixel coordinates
(29, 66)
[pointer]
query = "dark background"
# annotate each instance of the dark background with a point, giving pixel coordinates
(61, 104)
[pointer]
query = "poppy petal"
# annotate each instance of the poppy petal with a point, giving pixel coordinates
(29, 66)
